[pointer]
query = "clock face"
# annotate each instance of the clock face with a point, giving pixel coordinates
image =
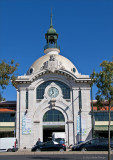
(53, 92)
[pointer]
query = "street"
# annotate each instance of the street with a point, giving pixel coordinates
(55, 156)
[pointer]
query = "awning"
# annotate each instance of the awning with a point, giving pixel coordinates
(7, 129)
(102, 128)
(7, 110)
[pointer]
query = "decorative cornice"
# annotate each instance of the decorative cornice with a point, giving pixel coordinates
(59, 72)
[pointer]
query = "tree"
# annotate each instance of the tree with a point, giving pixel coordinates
(1, 98)
(104, 83)
(7, 74)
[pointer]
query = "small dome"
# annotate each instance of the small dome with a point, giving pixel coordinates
(51, 30)
(65, 63)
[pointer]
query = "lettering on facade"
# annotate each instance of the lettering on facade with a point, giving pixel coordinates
(52, 64)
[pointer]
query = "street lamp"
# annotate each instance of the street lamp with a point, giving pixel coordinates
(109, 154)
(92, 113)
(80, 109)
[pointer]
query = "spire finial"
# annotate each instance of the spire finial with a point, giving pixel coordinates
(51, 25)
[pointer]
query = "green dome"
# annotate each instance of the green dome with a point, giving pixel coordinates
(51, 30)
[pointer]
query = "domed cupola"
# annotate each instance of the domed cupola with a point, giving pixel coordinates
(51, 39)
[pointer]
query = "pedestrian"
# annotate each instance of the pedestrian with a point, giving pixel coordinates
(38, 142)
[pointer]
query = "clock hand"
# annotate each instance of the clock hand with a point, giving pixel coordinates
(52, 91)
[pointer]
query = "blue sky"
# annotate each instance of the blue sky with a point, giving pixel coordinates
(85, 29)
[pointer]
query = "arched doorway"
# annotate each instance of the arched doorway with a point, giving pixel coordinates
(53, 121)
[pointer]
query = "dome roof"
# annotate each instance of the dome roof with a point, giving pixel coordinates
(51, 30)
(64, 62)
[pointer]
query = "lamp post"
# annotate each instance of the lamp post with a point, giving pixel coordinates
(109, 154)
(80, 109)
(92, 114)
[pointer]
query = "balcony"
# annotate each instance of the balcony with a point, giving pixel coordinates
(51, 46)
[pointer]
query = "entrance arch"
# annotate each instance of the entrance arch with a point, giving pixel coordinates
(39, 125)
(53, 121)
(53, 115)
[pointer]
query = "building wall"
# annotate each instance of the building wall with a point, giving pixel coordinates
(37, 109)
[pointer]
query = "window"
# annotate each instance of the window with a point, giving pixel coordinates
(41, 89)
(94, 141)
(102, 116)
(53, 116)
(31, 70)
(74, 70)
(26, 99)
(7, 117)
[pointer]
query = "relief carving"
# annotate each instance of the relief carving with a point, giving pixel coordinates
(52, 64)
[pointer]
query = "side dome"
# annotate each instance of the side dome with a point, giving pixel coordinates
(54, 61)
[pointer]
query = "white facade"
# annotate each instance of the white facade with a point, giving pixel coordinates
(30, 125)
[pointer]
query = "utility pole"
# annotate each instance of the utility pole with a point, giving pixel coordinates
(109, 154)
(80, 110)
(92, 114)
(73, 119)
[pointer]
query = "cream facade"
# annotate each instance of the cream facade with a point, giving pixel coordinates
(52, 97)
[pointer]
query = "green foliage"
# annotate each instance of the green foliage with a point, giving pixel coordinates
(7, 74)
(104, 81)
(1, 98)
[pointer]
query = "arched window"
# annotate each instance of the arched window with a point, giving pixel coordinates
(41, 88)
(53, 115)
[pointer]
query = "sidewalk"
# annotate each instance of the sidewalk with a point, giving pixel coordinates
(28, 152)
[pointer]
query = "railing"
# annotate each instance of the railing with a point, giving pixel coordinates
(51, 46)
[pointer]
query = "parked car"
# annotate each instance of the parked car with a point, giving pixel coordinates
(70, 146)
(8, 144)
(97, 144)
(60, 140)
(49, 146)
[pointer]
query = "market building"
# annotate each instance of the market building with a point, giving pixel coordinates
(100, 119)
(7, 119)
(52, 97)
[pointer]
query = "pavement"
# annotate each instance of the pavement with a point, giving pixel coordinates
(28, 152)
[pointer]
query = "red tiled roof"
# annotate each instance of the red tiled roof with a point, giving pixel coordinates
(106, 108)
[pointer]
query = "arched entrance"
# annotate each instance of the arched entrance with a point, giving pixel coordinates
(53, 121)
